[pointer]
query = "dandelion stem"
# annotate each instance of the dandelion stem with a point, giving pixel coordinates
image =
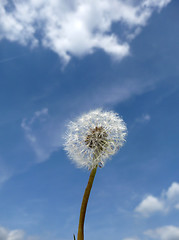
(84, 204)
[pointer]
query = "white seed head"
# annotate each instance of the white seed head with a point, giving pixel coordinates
(94, 137)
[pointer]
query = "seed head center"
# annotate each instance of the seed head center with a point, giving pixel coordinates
(97, 139)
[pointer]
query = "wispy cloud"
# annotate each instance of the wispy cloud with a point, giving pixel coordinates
(144, 118)
(119, 91)
(5, 172)
(27, 124)
(43, 133)
(9, 59)
(76, 28)
(167, 201)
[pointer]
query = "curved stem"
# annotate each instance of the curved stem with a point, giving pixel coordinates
(84, 204)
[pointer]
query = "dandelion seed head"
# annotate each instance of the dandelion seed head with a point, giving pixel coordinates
(94, 137)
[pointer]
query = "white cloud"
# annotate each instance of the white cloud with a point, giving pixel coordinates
(75, 28)
(150, 205)
(173, 191)
(168, 232)
(177, 206)
(17, 234)
(158, 3)
(6, 234)
(167, 201)
(164, 233)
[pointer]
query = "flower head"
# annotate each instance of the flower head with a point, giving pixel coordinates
(94, 137)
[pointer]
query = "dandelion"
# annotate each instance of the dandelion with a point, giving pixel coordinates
(90, 141)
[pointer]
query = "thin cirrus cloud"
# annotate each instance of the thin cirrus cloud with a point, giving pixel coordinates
(43, 133)
(167, 201)
(144, 118)
(5, 172)
(76, 28)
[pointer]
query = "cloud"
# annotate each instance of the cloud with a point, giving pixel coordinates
(164, 233)
(9, 59)
(144, 118)
(150, 205)
(11, 235)
(27, 125)
(177, 206)
(5, 172)
(164, 204)
(168, 232)
(17, 234)
(76, 28)
(121, 90)
(173, 191)
(43, 133)
(159, 3)
(4, 175)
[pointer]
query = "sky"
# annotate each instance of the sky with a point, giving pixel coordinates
(59, 60)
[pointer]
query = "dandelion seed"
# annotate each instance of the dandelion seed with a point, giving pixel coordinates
(94, 137)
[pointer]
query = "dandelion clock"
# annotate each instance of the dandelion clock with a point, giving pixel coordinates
(90, 141)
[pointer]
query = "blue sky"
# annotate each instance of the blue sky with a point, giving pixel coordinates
(59, 60)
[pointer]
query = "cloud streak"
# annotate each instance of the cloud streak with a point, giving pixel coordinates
(9, 59)
(5, 172)
(43, 134)
(76, 28)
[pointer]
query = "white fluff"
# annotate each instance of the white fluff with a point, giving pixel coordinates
(94, 137)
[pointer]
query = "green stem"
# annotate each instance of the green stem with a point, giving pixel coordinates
(84, 204)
